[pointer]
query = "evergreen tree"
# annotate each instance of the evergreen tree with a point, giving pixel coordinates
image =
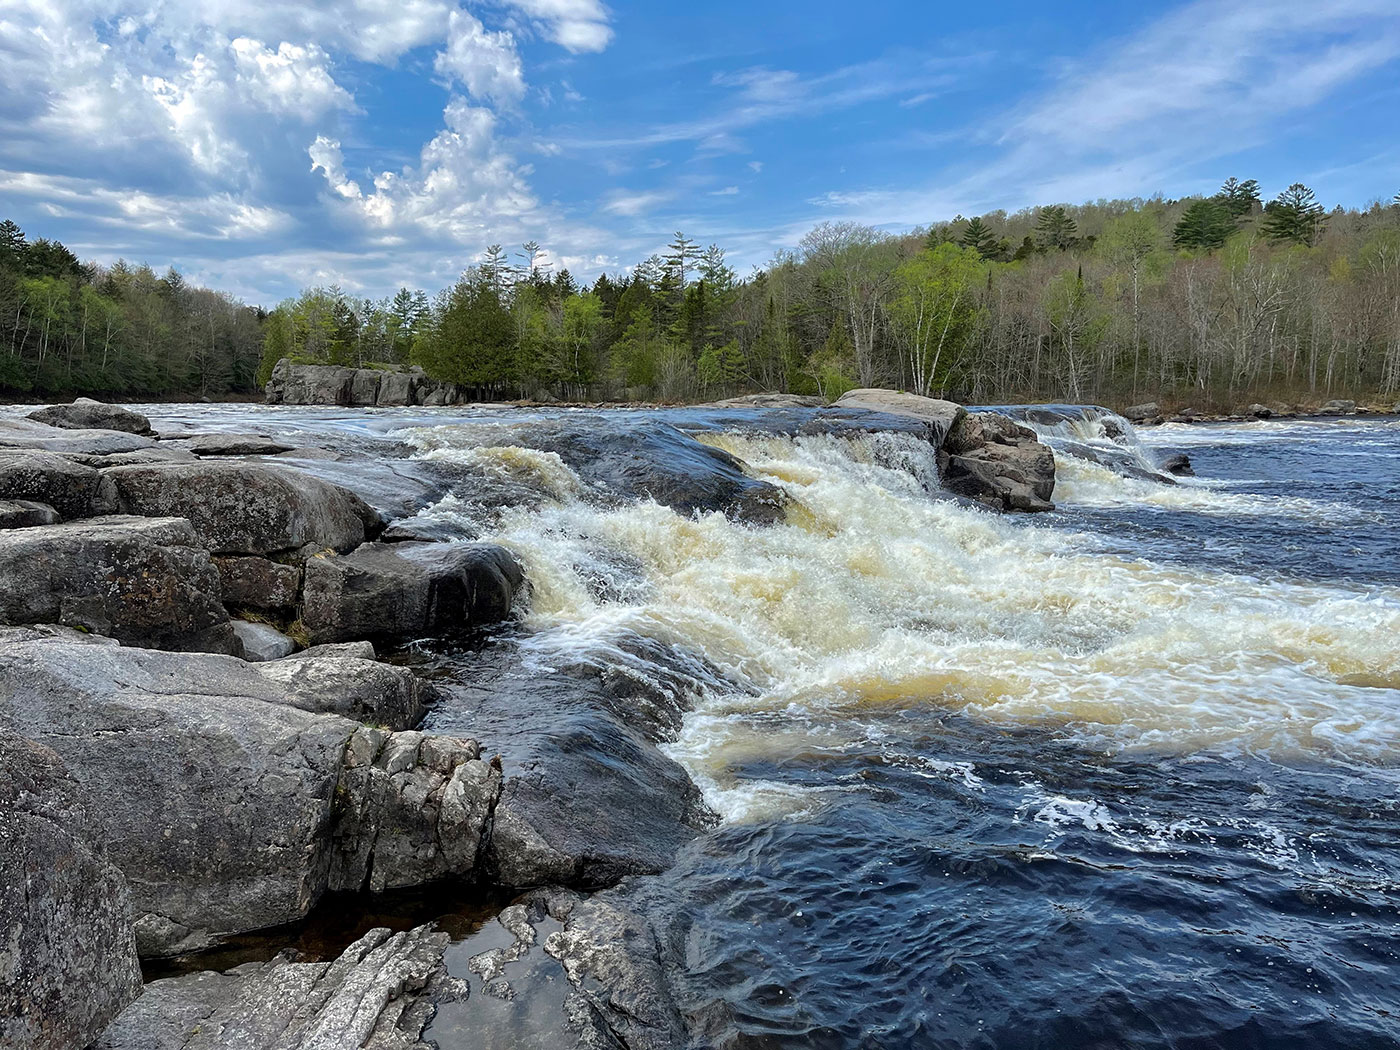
(1055, 229)
(1294, 215)
(12, 244)
(1239, 198)
(680, 253)
(1205, 226)
(979, 237)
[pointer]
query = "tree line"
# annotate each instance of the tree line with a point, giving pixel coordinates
(1218, 300)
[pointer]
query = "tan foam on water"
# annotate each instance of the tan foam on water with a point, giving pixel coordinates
(878, 595)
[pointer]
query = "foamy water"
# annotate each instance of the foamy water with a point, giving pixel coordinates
(877, 593)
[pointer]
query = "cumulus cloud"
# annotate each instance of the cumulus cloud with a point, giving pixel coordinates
(484, 62)
(579, 25)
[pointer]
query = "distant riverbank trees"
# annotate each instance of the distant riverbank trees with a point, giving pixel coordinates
(1217, 300)
(72, 328)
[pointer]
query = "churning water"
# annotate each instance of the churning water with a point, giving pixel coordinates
(1124, 775)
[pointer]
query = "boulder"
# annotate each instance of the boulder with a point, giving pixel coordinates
(350, 685)
(1260, 411)
(358, 650)
(87, 414)
(261, 642)
(234, 445)
(222, 797)
(67, 953)
(1143, 413)
(408, 590)
(771, 401)
(246, 508)
(46, 477)
(364, 387)
(993, 459)
(258, 583)
(395, 388)
(31, 434)
(24, 514)
(1178, 464)
(1339, 407)
(379, 995)
(143, 581)
(940, 416)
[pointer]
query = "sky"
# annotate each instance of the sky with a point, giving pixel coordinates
(262, 146)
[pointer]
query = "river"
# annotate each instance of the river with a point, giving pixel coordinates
(1122, 775)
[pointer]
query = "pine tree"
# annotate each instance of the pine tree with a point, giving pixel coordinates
(1055, 229)
(979, 236)
(11, 244)
(1206, 225)
(1294, 215)
(679, 254)
(1239, 198)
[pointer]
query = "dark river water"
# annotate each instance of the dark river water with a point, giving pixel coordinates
(1122, 776)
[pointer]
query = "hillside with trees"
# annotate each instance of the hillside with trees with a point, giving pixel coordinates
(1218, 300)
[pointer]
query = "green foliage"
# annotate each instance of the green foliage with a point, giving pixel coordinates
(1055, 230)
(979, 237)
(1294, 216)
(1206, 225)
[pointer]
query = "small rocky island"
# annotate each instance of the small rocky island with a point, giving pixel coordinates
(199, 741)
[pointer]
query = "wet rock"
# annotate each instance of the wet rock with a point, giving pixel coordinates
(408, 590)
(87, 414)
(358, 650)
(1339, 407)
(562, 970)
(144, 581)
(166, 452)
(219, 801)
(413, 808)
(46, 477)
(995, 460)
(378, 995)
(1260, 411)
(261, 642)
(31, 434)
(395, 488)
(588, 797)
(645, 459)
(234, 445)
(246, 508)
(24, 514)
(1178, 464)
(258, 583)
(67, 952)
(939, 415)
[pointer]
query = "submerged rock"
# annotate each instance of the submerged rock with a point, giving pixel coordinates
(87, 414)
(1179, 464)
(67, 952)
(234, 445)
(378, 995)
(246, 508)
(408, 590)
(143, 581)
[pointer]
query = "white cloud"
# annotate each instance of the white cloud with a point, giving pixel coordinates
(484, 62)
(621, 202)
(728, 191)
(293, 80)
(579, 25)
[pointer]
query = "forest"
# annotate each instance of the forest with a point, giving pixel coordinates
(1216, 300)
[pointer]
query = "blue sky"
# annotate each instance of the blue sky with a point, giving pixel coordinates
(262, 146)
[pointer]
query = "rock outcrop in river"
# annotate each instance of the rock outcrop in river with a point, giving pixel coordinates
(298, 384)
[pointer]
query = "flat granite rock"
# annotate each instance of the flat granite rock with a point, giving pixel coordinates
(29, 433)
(87, 414)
